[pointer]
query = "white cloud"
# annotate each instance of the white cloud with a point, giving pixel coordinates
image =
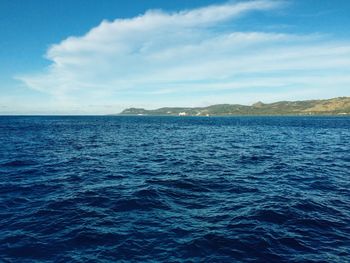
(164, 53)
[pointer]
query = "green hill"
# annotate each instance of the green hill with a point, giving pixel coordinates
(335, 106)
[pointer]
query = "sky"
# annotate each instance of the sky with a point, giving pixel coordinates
(100, 57)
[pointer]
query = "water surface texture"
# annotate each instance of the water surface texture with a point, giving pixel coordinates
(175, 189)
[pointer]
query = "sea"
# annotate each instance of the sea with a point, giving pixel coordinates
(174, 189)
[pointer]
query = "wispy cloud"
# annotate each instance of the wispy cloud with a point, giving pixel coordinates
(160, 53)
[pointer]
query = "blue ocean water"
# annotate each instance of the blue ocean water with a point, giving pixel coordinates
(175, 189)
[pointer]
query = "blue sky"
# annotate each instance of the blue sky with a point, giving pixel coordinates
(97, 57)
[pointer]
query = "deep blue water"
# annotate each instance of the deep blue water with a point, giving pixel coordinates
(171, 189)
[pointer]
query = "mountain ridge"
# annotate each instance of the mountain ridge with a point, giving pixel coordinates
(334, 106)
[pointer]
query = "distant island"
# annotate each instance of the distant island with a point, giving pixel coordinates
(335, 106)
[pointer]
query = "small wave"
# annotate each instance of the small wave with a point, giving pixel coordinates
(19, 163)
